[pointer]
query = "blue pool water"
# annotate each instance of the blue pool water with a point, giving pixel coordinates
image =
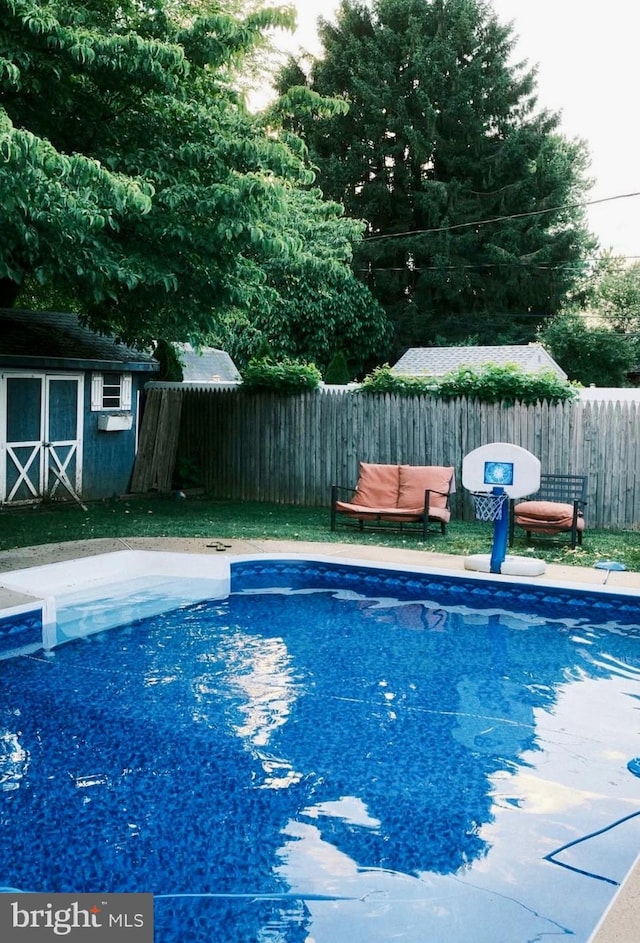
(338, 755)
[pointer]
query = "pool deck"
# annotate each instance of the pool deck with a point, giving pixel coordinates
(621, 922)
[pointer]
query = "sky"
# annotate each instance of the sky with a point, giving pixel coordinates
(588, 61)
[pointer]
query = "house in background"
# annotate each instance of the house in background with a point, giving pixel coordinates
(438, 361)
(69, 408)
(206, 365)
(203, 368)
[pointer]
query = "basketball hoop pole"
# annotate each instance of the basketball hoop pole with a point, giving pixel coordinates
(500, 535)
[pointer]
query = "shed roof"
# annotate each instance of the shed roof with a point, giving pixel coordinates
(437, 361)
(207, 365)
(57, 340)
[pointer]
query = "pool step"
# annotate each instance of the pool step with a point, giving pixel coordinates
(81, 597)
(114, 604)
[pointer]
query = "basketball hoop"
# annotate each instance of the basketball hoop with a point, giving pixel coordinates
(494, 475)
(488, 506)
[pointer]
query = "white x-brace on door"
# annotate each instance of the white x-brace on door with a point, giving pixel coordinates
(41, 426)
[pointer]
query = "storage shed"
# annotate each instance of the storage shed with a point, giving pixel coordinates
(69, 408)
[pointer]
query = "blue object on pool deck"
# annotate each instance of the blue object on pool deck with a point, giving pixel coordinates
(634, 766)
(610, 566)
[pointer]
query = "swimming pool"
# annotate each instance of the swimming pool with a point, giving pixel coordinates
(335, 753)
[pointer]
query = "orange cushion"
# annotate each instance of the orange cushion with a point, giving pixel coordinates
(392, 514)
(438, 514)
(538, 515)
(416, 479)
(364, 510)
(415, 514)
(377, 486)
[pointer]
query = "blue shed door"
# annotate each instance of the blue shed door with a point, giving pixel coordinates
(40, 436)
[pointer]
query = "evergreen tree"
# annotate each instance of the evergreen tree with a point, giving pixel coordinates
(442, 135)
(338, 370)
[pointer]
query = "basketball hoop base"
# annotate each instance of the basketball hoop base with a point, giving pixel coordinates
(510, 566)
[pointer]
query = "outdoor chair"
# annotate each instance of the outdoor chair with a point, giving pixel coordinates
(392, 496)
(556, 508)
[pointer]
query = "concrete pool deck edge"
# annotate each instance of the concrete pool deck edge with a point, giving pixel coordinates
(27, 557)
(621, 921)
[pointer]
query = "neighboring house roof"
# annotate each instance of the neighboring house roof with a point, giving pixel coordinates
(207, 365)
(55, 340)
(437, 361)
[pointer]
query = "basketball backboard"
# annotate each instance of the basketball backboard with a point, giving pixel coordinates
(501, 465)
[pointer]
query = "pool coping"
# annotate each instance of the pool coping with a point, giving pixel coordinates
(621, 920)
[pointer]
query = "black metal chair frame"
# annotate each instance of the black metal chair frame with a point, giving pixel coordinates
(563, 489)
(372, 521)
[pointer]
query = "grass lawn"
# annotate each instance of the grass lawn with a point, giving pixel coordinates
(201, 516)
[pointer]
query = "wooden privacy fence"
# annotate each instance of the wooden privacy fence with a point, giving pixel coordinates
(291, 449)
(157, 443)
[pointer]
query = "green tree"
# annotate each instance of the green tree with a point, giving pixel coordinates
(612, 293)
(589, 354)
(136, 185)
(441, 135)
(313, 316)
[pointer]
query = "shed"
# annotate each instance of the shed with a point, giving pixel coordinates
(438, 361)
(69, 408)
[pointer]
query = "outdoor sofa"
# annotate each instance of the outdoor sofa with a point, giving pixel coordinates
(394, 496)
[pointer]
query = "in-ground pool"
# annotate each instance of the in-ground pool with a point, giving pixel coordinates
(338, 755)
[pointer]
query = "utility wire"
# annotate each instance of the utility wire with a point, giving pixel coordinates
(468, 266)
(500, 219)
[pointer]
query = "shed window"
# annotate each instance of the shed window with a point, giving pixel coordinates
(110, 391)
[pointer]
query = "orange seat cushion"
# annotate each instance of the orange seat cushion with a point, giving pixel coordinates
(391, 514)
(396, 492)
(416, 479)
(546, 516)
(377, 486)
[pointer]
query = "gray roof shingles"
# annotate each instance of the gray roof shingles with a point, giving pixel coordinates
(44, 337)
(437, 361)
(207, 365)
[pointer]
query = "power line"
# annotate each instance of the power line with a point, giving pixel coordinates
(455, 266)
(500, 219)
(577, 265)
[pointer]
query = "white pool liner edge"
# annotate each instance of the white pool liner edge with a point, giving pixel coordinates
(57, 578)
(50, 583)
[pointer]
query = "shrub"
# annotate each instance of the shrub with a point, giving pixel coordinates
(490, 384)
(384, 380)
(338, 371)
(284, 376)
(169, 360)
(506, 384)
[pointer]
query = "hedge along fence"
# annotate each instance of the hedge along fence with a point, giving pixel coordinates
(291, 449)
